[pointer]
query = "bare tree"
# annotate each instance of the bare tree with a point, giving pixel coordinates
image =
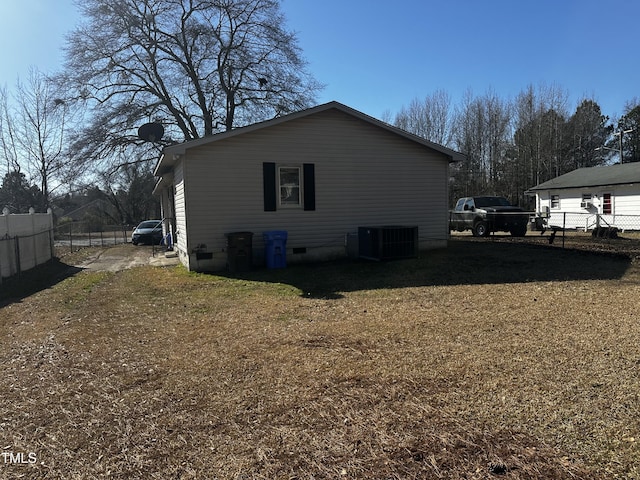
(483, 134)
(541, 117)
(430, 118)
(8, 142)
(198, 67)
(130, 194)
(33, 133)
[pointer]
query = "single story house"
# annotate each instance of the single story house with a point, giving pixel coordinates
(590, 197)
(317, 174)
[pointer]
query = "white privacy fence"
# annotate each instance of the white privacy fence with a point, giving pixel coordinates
(25, 242)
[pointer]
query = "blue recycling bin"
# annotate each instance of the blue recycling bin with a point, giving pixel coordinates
(275, 248)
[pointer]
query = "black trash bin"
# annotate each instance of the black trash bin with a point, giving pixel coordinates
(239, 251)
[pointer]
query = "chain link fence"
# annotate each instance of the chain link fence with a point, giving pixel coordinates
(593, 221)
(76, 235)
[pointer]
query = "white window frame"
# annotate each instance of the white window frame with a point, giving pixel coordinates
(551, 201)
(279, 170)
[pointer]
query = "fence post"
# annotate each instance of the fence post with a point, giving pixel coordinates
(564, 227)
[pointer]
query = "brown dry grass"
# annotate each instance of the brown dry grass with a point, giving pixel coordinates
(489, 359)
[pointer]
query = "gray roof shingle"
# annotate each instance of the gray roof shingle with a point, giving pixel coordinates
(624, 174)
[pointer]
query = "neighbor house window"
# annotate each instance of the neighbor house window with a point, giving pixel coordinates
(555, 201)
(607, 206)
(289, 185)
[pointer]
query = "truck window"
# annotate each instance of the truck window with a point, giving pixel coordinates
(492, 202)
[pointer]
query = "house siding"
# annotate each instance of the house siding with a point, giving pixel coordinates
(180, 211)
(625, 207)
(626, 200)
(364, 175)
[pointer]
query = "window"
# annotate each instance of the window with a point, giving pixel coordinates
(468, 205)
(289, 186)
(607, 205)
(555, 201)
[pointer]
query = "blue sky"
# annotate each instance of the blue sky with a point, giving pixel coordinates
(376, 56)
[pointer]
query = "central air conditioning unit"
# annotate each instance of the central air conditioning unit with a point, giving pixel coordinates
(388, 242)
(586, 204)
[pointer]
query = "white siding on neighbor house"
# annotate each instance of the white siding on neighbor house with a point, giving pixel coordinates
(364, 176)
(626, 200)
(625, 206)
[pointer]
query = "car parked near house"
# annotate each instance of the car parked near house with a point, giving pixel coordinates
(485, 214)
(147, 232)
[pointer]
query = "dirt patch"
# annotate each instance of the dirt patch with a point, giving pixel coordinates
(123, 257)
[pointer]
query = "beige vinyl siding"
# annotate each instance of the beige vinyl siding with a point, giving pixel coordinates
(364, 176)
(180, 212)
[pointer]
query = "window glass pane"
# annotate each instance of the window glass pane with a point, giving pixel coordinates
(289, 186)
(555, 201)
(606, 204)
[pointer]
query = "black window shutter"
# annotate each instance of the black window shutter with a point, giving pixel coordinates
(309, 186)
(269, 186)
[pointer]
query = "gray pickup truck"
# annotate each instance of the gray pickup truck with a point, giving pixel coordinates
(486, 214)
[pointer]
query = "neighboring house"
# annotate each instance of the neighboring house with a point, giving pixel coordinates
(318, 174)
(589, 197)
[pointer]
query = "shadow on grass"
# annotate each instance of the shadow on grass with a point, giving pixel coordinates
(18, 287)
(462, 263)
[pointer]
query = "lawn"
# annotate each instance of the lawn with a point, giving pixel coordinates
(490, 359)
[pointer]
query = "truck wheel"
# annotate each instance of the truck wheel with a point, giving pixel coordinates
(480, 229)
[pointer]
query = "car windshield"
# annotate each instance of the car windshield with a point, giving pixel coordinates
(150, 224)
(491, 202)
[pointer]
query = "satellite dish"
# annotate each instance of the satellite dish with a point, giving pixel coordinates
(151, 132)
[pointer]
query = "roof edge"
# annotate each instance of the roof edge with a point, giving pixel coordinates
(172, 153)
